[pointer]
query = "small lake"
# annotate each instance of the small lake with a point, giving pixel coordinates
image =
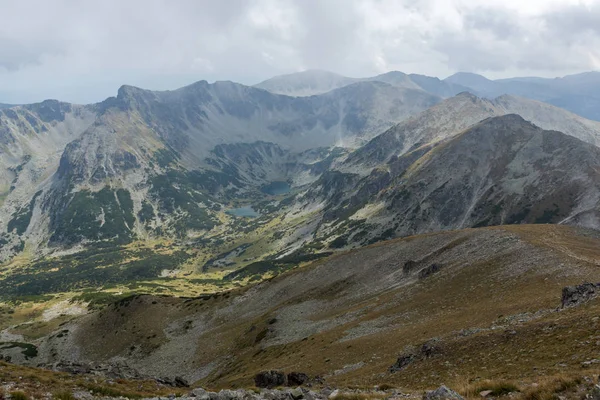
(276, 188)
(246, 211)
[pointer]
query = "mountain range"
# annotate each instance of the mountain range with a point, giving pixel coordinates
(576, 93)
(365, 159)
(398, 228)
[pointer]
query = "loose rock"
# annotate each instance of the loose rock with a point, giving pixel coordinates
(442, 393)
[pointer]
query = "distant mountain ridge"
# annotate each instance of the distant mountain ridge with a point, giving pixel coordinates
(312, 82)
(576, 93)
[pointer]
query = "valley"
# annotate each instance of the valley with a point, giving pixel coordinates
(399, 229)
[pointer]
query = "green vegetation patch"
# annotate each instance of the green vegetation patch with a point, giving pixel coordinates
(93, 268)
(103, 215)
(181, 195)
(273, 265)
(98, 300)
(28, 350)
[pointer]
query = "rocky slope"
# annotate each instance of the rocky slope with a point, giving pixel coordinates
(458, 113)
(148, 161)
(475, 296)
(503, 170)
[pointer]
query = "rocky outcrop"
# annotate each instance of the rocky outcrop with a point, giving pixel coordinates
(442, 393)
(575, 295)
(429, 349)
(297, 378)
(270, 379)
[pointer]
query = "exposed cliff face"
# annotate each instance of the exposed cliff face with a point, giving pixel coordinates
(32, 139)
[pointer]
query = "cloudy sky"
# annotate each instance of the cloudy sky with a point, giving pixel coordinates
(82, 51)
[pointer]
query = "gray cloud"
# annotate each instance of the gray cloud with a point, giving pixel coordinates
(83, 51)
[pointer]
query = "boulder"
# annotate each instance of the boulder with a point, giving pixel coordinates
(430, 270)
(229, 395)
(297, 379)
(200, 394)
(431, 348)
(402, 362)
(409, 266)
(296, 394)
(269, 379)
(442, 393)
(181, 382)
(574, 295)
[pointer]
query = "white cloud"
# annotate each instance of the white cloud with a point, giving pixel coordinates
(83, 51)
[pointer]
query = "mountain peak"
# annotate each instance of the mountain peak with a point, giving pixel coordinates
(305, 83)
(467, 95)
(466, 75)
(126, 91)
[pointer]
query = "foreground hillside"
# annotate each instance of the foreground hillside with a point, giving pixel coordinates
(486, 302)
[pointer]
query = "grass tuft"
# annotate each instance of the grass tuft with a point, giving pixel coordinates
(18, 395)
(64, 395)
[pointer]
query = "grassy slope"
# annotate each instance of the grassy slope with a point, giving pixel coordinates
(38, 383)
(359, 309)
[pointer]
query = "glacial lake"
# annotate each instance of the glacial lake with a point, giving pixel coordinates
(246, 211)
(276, 188)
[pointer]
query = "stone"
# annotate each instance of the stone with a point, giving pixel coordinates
(228, 395)
(574, 295)
(485, 393)
(180, 382)
(402, 362)
(297, 379)
(430, 270)
(200, 394)
(333, 394)
(296, 394)
(431, 348)
(442, 393)
(269, 379)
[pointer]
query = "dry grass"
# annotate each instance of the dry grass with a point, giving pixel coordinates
(63, 395)
(36, 383)
(18, 395)
(466, 294)
(549, 388)
(496, 388)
